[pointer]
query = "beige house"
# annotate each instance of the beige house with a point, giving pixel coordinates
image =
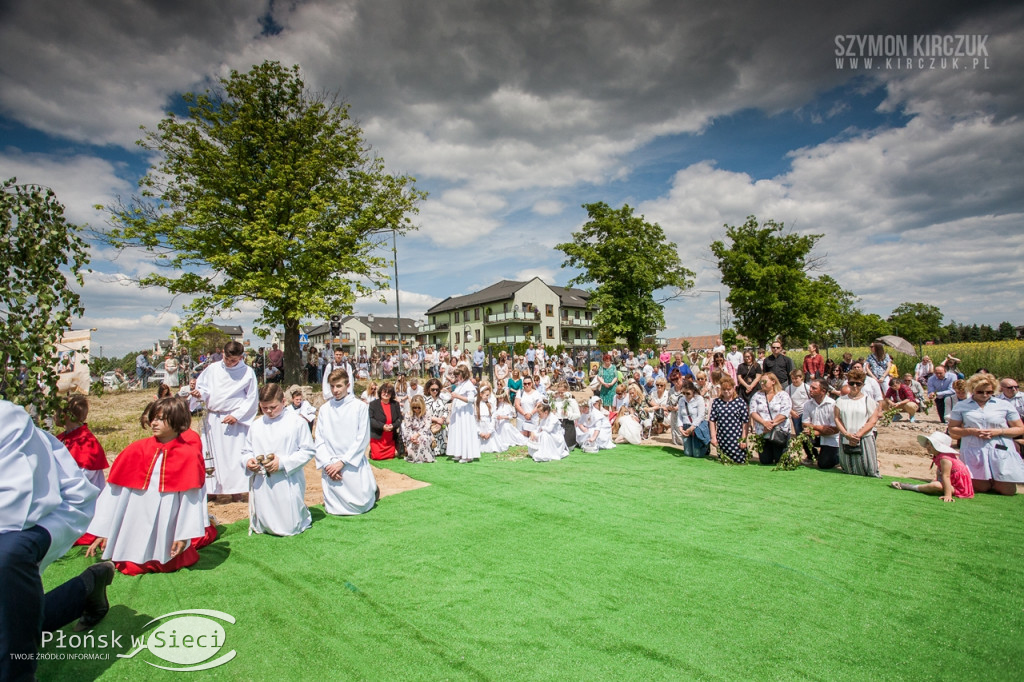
(512, 312)
(365, 332)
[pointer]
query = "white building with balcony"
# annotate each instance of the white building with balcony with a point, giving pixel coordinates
(510, 312)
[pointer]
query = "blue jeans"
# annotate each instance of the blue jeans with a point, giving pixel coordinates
(25, 612)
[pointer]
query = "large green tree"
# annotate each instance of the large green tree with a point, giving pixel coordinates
(771, 292)
(40, 255)
(629, 260)
(916, 322)
(265, 192)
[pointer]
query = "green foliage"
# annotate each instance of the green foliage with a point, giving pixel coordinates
(729, 337)
(200, 338)
(268, 193)
(917, 322)
(628, 259)
(865, 328)
(40, 250)
(770, 292)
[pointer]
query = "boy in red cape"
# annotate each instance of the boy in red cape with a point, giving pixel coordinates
(153, 506)
(83, 446)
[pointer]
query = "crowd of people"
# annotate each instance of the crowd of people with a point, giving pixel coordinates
(149, 513)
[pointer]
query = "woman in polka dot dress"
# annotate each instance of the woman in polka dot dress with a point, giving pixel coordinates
(729, 421)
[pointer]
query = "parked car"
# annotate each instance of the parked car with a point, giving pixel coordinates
(157, 377)
(110, 379)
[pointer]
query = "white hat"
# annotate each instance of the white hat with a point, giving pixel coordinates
(940, 441)
(595, 399)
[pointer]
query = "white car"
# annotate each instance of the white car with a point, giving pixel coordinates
(110, 379)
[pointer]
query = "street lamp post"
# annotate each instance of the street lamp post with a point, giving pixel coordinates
(715, 291)
(398, 307)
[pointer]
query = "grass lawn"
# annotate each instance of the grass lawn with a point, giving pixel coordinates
(628, 564)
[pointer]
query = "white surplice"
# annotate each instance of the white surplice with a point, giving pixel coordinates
(141, 525)
(277, 501)
(305, 410)
(550, 440)
(506, 433)
(594, 431)
(463, 438)
(42, 484)
(227, 391)
(342, 435)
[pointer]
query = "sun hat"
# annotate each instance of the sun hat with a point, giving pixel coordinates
(940, 441)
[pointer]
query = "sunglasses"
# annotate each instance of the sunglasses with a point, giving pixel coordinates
(979, 392)
(1010, 388)
(855, 383)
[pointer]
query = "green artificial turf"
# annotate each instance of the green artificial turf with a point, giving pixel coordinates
(627, 564)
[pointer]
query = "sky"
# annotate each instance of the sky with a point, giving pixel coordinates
(512, 115)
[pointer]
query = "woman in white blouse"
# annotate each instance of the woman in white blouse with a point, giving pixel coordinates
(769, 409)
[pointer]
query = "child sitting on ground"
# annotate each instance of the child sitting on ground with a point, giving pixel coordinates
(277, 484)
(152, 506)
(954, 478)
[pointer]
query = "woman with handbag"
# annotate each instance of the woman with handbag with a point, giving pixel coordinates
(438, 409)
(856, 416)
(693, 426)
(769, 410)
(729, 422)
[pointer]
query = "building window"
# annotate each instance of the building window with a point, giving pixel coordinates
(476, 333)
(551, 332)
(457, 338)
(576, 314)
(433, 319)
(456, 316)
(549, 310)
(362, 336)
(588, 315)
(527, 329)
(527, 307)
(577, 333)
(476, 314)
(504, 307)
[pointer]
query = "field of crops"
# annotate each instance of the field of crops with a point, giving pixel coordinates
(1002, 358)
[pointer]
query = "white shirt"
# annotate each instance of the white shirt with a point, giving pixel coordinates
(42, 484)
(735, 358)
(229, 390)
(823, 414)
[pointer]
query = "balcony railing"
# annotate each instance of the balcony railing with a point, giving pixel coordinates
(507, 339)
(577, 322)
(440, 327)
(586, 343)
(497, 318)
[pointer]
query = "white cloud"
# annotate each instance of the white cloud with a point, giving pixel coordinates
(547, 275)
(548, 207)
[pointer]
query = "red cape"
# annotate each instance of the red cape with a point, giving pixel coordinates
(181, 466)
(84, 447)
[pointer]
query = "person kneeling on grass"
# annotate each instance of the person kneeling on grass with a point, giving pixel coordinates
(593, 430)
(547, 442)
(153, 506)
(277, 484)
(954, 478)
(342, 436)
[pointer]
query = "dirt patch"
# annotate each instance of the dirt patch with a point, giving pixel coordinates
(389, 482)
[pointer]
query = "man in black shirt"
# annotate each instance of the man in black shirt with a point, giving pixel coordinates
(778, 364)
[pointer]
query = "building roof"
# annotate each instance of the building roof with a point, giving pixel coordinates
(696, 342)
(572, 298)
(504, 290)
(230, 330)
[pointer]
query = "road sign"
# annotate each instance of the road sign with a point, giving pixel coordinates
(303, 339)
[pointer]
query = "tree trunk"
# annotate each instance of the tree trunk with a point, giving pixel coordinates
(294, 367)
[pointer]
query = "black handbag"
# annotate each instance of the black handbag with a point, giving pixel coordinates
(775, 434)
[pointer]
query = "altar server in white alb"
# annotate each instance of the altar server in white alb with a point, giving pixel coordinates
(342, 435)
(229, 390)
(153, 504)
(593, 430)
(547, 443)
(277, 493)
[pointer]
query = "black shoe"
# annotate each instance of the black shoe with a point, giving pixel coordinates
(96, 604)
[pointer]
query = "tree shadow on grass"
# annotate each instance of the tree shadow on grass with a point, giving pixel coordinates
(99, 647)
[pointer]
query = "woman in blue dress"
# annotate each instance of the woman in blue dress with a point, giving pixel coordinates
(986, 427)
(608, 377)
